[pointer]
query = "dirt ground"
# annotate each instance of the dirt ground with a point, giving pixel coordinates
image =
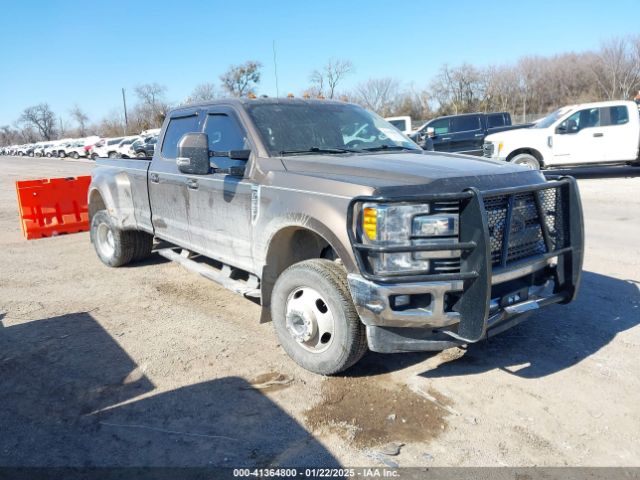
(153, 365)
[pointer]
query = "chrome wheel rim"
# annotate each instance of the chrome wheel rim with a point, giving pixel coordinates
(528, 163)
(309, 320)
(105, 241)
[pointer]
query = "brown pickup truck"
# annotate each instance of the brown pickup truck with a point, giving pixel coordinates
(348, 234)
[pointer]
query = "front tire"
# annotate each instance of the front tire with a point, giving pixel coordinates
(527, 160)
(315, 318)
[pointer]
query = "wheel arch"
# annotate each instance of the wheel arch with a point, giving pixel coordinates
(531, 151)
(295, 241)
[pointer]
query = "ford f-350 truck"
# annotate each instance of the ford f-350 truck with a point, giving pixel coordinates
(348, 234)
(590, 133)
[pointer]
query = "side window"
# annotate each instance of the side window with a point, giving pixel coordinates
(441, 127)
(582, 119)
(611, 116)
(465, 123)
(224, 133)
(175, 130)
(495, 120)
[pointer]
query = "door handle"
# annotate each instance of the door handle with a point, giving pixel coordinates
(154, 177)
(598, 134)
(479, 134)
(192, 184)
(445, 139)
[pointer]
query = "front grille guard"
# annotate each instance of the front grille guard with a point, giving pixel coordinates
(474, 246)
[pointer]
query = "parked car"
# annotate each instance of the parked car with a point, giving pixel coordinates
(122, 151)
(39, 149)
(145, 148)
(464, 133)
(601, 132)
(106, 147)
(348, 245)
(76, 150)
(402, 123)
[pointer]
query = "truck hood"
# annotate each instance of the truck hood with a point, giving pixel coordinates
(411, 172)
(517, 135)
(396, 168)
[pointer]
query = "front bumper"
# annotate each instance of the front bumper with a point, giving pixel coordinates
(483, 301)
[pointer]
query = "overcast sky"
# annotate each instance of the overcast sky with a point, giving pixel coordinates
(79, 52)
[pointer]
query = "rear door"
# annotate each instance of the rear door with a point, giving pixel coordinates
(618, 134)
(467, 135)
(220, 204)
(168, 195)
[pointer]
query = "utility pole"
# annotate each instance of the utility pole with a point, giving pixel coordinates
(126, 120)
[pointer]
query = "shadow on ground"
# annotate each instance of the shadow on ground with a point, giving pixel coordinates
(558, 337)
(64, 381)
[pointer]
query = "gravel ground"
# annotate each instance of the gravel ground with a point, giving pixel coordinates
(153, 365)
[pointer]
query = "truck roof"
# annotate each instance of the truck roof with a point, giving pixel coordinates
(257, 101)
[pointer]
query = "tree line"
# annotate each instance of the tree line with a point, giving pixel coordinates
(531, 86)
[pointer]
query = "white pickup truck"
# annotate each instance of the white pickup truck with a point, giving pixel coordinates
(602, 132)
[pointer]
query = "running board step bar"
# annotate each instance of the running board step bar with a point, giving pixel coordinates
(249, 287)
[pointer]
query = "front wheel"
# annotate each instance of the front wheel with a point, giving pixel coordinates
(315, 319)
(527, 160)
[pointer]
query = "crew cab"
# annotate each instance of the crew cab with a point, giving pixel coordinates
(589, 133)
(348, 243)
(464, 133)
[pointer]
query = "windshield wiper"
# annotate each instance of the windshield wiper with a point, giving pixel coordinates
(317, 150)
(388, 147)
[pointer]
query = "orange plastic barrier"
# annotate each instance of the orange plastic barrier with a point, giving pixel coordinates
(51, 206)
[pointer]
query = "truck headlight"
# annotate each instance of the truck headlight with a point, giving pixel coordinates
(406, 224)
(435, 226)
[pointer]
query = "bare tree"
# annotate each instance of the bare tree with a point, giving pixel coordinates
(617, 67)
(378, 94)
(81, 119)
(41, 118)
(240, 80)
(325, 81)
(112, 125)
(203, 93)
(459, 89)
(152, 107)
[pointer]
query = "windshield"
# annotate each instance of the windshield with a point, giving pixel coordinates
(293, 128)
(551, 118)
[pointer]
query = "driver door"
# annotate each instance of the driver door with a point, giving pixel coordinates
(578, 139)
(219, 206)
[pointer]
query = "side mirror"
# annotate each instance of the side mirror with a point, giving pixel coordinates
(193, 154)
(239, 154)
